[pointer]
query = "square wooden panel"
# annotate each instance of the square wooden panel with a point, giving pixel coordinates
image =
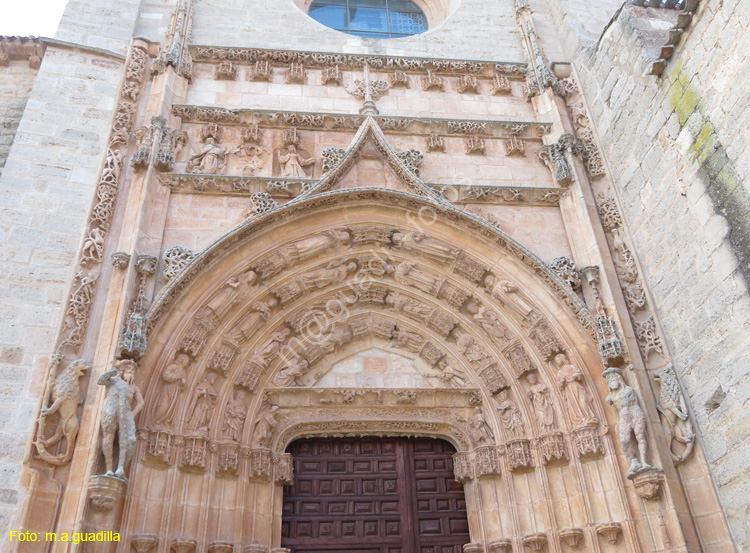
(356, 494)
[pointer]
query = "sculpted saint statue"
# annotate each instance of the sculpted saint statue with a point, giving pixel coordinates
(487, 319)
(260, 312)
(508, 294)
(577, 398)
(234, 416)
(408, 305)
(292, 163)
(417, 242)
(332, 273)
(408, 274)
(270, 349)
(263, 432)
(203, 404)
(173, 381)
(631, 419)
(211, 160)
(310, 247)
(510, 416)
(480, 430)
(542, 403)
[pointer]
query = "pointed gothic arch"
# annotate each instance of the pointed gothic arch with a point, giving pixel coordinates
(319, 281)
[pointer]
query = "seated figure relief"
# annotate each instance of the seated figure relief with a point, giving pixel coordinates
(211, 160)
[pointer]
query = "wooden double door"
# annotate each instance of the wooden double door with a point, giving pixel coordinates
(374, 495)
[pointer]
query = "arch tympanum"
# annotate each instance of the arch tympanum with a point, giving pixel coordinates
(497, 357)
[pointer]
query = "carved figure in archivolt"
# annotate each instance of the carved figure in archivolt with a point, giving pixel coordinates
(292, 372)
(263, 431)
(408, 340)
(339, 335)
(408, 274)
(541, 402)
(227, 297)
(333, 273)
(481, 432)
(473, 351)
(204, 401)
(452, 376)
(510, 416)
(489, 322)
(173, 381)
(270, 349)
(631, 419)
(93, 247)
(65, 399)
(310, 247)
(234, 416)
(211, 160)
(509, 295)
(417, 242)
(671, 405)
(570, 380)
(259, 315)
(408, 305)
(120, 407)
(292, 164)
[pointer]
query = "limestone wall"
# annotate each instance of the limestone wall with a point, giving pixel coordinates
(676, 146)
(16, 80)
(45, 192)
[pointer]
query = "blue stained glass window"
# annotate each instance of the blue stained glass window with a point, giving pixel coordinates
(370, 18)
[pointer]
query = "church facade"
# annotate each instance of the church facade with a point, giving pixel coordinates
(389, 276)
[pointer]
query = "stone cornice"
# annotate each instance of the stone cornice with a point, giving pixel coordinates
(343, 121)
(355, 61)
(279, 187)
(47, 42)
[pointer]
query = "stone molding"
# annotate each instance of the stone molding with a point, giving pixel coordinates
(282, 58)
(526, 130)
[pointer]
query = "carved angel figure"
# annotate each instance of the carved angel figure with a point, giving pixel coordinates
(630, 419)
(291, 373)
(542, 403)
(570, 381)
(292, 163)
(120, 407)
(510, 416)
(417, 242)
(263, 432)
(211, 160)
(671, 405)
(204, 402)
(65, 400)
(234, 416)
(310, 247)
(173, 381)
